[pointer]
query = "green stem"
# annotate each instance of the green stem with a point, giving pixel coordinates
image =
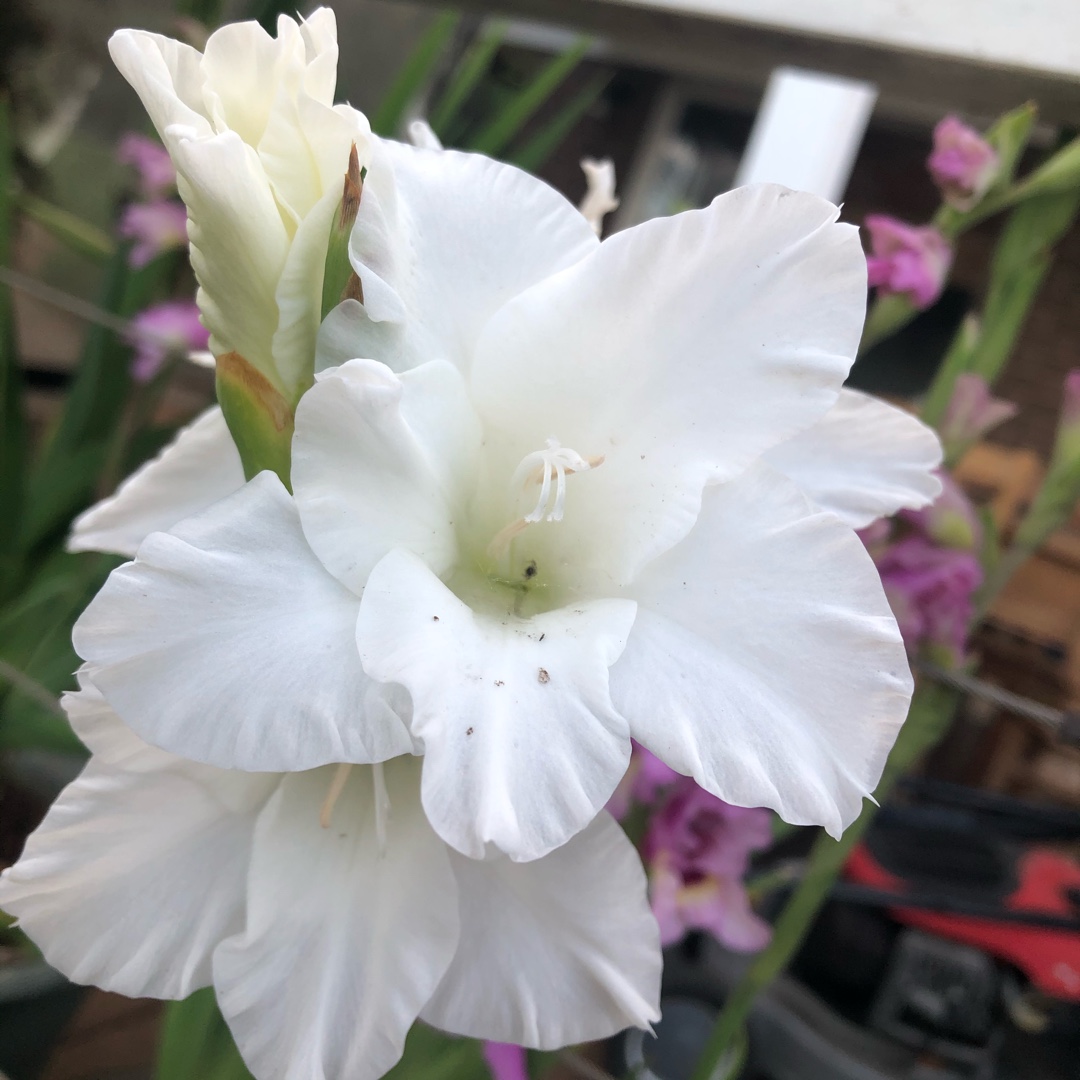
(887, 315)
(931, 710)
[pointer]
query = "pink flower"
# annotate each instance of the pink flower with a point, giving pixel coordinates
(963, 164)
(506, 1061)
(972, 412)
(698, 848)
(930, 589)
(950, 520)
(719, 906)
(703, 833)
(169, 327)
(155, 227)
(151, 161)
(907, 259)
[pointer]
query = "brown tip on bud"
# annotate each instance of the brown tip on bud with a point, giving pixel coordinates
(354, 290)
(350, 195)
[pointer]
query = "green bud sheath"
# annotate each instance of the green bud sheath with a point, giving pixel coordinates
(259, 417)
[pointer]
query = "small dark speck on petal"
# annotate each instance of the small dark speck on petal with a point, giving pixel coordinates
(543, 676)
(499, 682)
(434, 618)
(542, 636)
(468, 731)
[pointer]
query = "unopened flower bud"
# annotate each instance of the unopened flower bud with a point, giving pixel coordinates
(340, 281)
(950, 520)
(972, 412)
(963, 164)
(912, 260)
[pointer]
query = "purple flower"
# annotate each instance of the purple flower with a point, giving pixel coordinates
(506, 1061)
(972, 411)
(169, 327)
(950, 520)
(155, 227)
(930, 589)
(912, 260)
(963, 164)
(157, 176)
(719, 906)
(698, 848)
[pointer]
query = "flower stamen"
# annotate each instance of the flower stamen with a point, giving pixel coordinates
(554, 462)
(541, 467)
(337, 786)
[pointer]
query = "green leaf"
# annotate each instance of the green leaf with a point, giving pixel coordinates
(414, 73)
(69, 228)
(65, 479)
(12, 419)
(196, 1043)
(1009, 137)
(60, 487)
(545, 142)
(433, 1055)
(956, 362)
(1060, 174)
(468, 72)
(1020, 263)
(35, 639)
(887, 315)
(498, 133)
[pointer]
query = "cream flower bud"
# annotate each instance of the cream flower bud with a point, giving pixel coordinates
(259, 149)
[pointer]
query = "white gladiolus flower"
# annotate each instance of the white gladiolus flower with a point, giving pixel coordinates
(260, 151)
(532, 488)
(326, 925)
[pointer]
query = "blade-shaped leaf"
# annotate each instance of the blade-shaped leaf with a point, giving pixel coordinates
(12, 421)
(414, 73)
(469, 70)
(196, 1043)
(546, 141)
(499, 132)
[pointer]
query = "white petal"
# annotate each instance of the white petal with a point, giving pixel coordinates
(864, 460)
(228, 642)
(346, 939)
(554, 952)
(522, 747)
(200, 466)
(168, 77)
(238, 242)
(242, 63)
(422, 135)
(765, 661)
(381, 462)
(452, 236)
(679, 350)
(137, 872)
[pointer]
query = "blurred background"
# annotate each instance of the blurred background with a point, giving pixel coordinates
(687, 98)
